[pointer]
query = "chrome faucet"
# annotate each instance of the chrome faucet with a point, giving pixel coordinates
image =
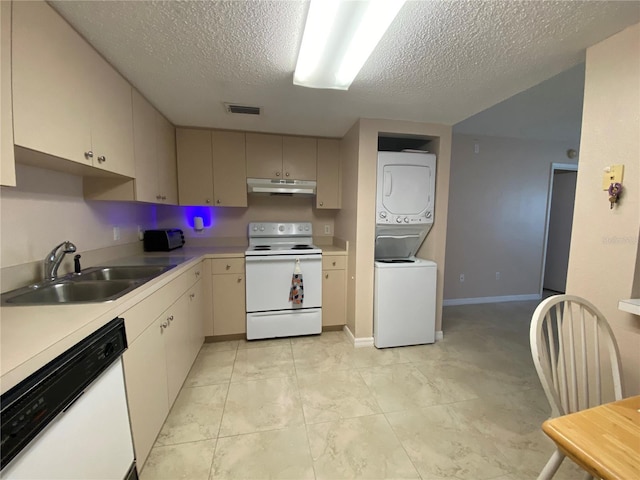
(53, 260)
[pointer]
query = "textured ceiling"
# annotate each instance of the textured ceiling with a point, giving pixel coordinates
(440, 61)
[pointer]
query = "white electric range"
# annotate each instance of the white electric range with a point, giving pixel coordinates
(275, 250)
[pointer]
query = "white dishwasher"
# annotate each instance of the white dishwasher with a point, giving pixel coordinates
(404, 311)
(69, 420)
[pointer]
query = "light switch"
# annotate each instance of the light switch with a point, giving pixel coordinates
(612, 174)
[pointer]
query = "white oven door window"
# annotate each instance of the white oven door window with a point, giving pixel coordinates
(269, 282)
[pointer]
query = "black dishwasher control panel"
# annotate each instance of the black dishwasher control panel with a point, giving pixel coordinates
(30, 406)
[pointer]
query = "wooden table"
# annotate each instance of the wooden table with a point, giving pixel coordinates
(603, 440)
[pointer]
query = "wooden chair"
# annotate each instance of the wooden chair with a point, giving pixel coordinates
(569, 336)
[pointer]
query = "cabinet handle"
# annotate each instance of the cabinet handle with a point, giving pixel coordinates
(321, 204)
(102, 159)
(208, 200)
(277, 174)
(158, 197)
(334, 264)
(163, 197)
(239, 279)
(326, 275)
(218, 201)
(197, 273)
(163, 326)
(228, 266)
(287, 174)
(88, 155)
(192, 296)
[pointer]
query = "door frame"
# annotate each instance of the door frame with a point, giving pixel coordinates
(573, 167)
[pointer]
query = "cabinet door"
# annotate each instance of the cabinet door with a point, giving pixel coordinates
(145, 375)
(195, 320)
(195, 167)
(167, 169)
(51, 86)
(229, 314)
(145, 155)
(7, 162)
(176, 344)
(111, 119)
(334, 311)
(229, 169)
(328, 174)
(299, 156)
(264, 155)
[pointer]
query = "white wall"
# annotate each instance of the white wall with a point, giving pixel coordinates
(603, 262)
(497, 210)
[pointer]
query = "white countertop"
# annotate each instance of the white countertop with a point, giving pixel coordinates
(632, 306)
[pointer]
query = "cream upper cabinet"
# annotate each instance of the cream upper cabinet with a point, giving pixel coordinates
(68, 102)
(195, 166)
(154, 154)
(7, 163)
(278, 157)
(167, 168)
(51, 84)
(111, 119)
(328, 174)
(299, 156)
(264, 155)
(229, 169)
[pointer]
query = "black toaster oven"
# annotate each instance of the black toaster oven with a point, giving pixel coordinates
(163, 240)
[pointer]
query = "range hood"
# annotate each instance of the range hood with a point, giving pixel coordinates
(281, 187)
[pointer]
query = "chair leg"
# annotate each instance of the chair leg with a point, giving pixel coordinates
(552, 466)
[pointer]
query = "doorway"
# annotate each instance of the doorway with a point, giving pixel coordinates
(562, 193)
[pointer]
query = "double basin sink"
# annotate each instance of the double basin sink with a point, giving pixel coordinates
(97, 284)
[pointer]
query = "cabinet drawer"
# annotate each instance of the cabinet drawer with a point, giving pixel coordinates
(194, 274)
(334, 262)
(227, 265)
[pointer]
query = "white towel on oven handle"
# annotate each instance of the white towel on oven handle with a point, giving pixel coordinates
(296, 292)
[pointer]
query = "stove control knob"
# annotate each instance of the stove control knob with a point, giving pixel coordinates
(262, 228)
(306, 229)
(383, 214)
(406, 220)
(398, 220)
(281, 228)
(300, 228)
(255, 228)
(428, 215)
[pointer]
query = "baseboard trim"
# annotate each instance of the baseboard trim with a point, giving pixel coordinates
(358, 342)
(439, 335)
(478, 300)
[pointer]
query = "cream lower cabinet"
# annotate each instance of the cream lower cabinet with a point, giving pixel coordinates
(228, 296)
(159, 358)
(145, 371)
(334, 294)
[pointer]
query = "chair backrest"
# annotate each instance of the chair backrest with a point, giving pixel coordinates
(566, 370)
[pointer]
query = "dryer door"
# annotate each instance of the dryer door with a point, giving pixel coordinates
(405, 189)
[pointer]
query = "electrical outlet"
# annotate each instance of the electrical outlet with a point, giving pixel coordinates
(116, 232)
(497, 275)
(327, 229)
(612, 174)
(461, 277)
(476, 148)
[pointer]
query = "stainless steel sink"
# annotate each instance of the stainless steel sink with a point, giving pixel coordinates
(93, 285)
(134, 272)
(69, 291)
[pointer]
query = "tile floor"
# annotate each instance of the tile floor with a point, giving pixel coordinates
(468, 407)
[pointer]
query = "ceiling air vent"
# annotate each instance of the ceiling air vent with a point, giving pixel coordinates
(244, 109)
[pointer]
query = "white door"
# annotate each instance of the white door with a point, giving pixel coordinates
(268, 282)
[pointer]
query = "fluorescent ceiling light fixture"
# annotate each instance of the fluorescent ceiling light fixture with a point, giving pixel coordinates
(338, 38)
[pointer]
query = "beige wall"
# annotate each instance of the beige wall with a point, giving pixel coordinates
(346, 218)
(232, 222)
(47, 207)
(603, 262)
(360, 181)
(497, 211)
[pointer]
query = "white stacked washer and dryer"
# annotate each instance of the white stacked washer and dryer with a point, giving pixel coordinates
(405, 286)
